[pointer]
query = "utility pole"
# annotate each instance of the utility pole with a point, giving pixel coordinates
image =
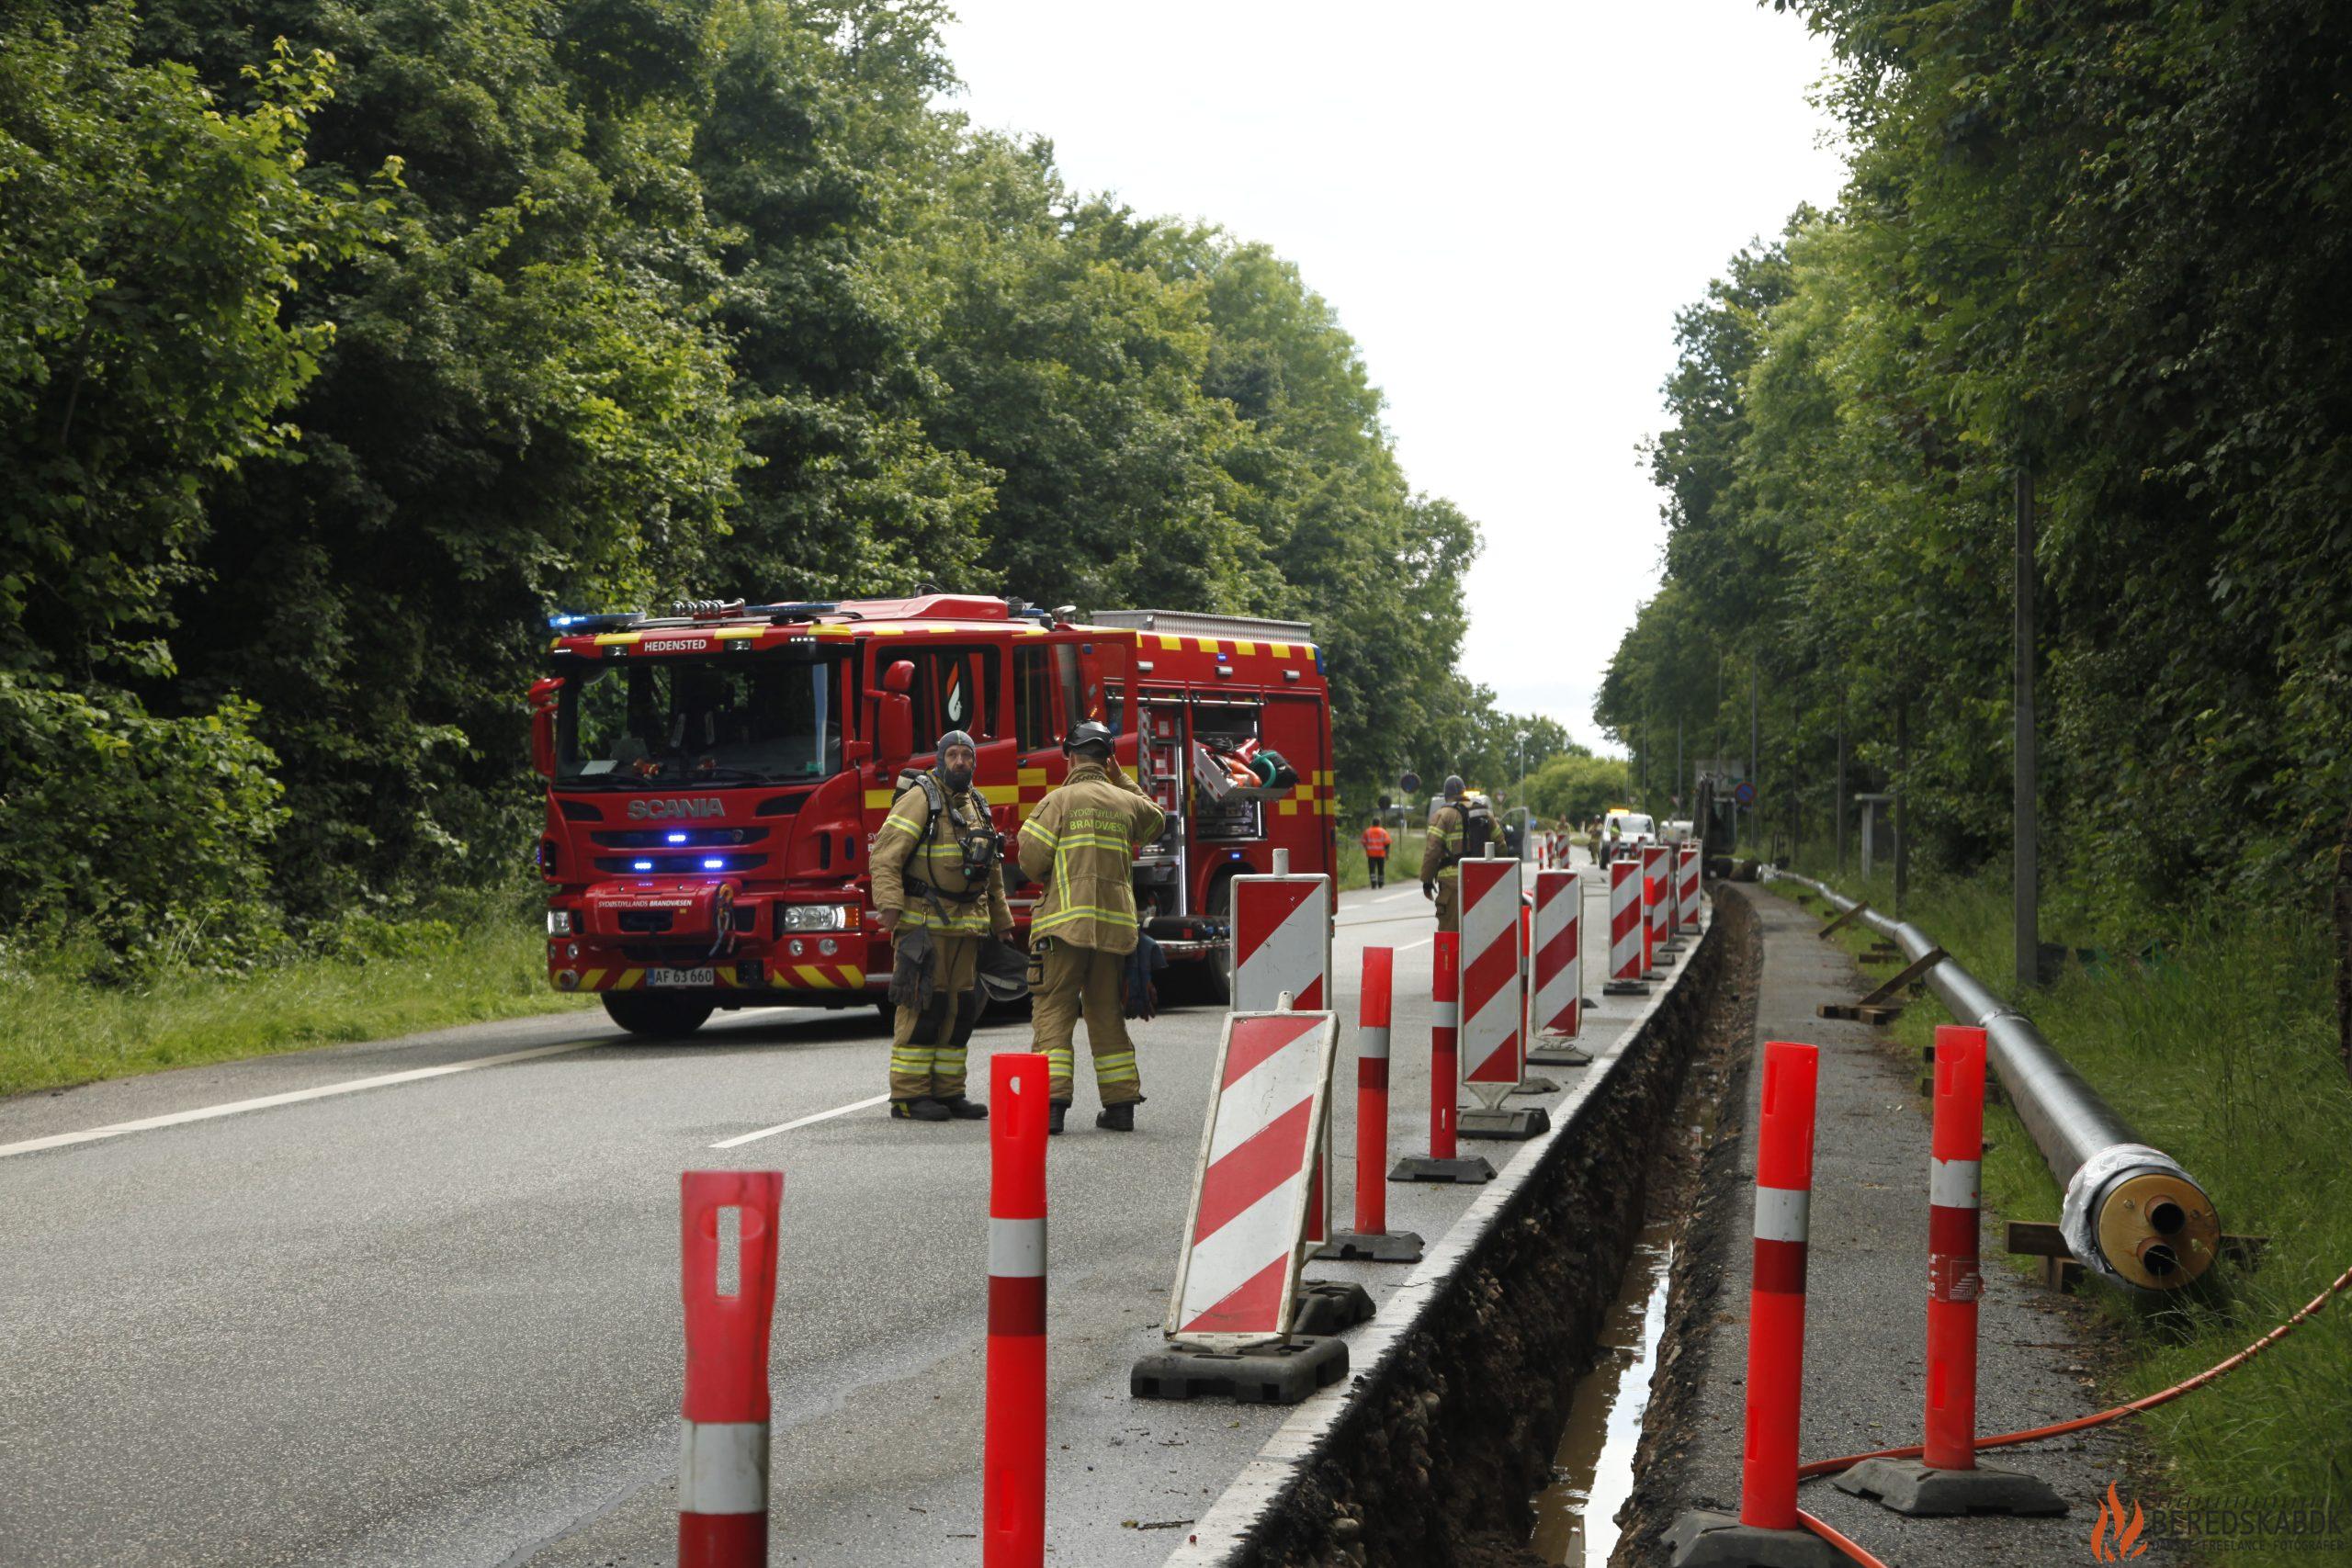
(1841, 784)
(1902, 795)
(2025, 902)
(1755, 752)
(1677, 791)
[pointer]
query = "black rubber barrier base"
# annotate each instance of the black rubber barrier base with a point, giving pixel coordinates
(1626, 988)
(1264, 1374)
(1559, 1054)
(1516, 1126)
(1719, 1541)
(1373, 1246)
(1329, 1306)
(1530, 1084)
(1428, 1167)
(1908, 1487)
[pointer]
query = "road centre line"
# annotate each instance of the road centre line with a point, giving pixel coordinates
(292, 1097)
(743, 1138)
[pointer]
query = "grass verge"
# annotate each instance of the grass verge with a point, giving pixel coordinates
(2221, 1051)
(57, 1029)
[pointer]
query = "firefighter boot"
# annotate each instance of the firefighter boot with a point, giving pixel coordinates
(1120, 1117)
(924, 1109)
(1055, 1111)
(964, 1110)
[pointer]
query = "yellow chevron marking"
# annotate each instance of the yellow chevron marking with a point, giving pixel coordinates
(812, 977)
(630, 980)
(1288, 808)
(1249, 647)
(1279, 649)
(588, 978)
(616, 639)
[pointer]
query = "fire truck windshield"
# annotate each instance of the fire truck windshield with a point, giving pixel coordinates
(745, 718)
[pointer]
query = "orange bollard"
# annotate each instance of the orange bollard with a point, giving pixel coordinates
(1767, 1482)
(1946, 1478)
(1953, 1284)
(1442, 1163)
(1013, 1463)
(723, 1450)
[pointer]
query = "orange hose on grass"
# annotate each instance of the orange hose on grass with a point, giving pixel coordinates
(1861, 1554)
(2059, 1428)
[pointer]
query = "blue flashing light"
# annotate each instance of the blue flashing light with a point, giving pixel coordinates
(713, 864)
(676, 837)
(642, 865)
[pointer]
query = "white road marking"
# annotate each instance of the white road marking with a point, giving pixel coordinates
(803, 1122)
(293, 1097)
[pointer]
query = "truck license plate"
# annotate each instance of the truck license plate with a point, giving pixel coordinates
(680, 977)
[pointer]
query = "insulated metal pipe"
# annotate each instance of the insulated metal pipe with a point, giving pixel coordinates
(2131, 1213)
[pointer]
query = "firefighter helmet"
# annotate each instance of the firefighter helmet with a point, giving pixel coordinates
(1089, 737)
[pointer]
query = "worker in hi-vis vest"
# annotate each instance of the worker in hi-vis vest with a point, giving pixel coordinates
(1081, 842)
(936, 887)
(1441, 857)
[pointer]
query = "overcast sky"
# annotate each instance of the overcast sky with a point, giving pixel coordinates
(1505, 203)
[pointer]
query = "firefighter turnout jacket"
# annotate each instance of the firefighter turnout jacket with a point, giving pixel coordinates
(918, 863)
(1081, 842)
(1441, 846)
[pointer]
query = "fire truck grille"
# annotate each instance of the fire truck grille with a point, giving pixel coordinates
(676, 837)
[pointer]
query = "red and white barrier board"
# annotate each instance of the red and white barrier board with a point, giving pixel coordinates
(1281, 941)
(1625, 926)
(1658, 895)
(1247, 1226)
(1559, 962)
(1494, 1046)
(1686, 875)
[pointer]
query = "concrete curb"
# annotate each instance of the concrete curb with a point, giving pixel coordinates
(1251, 1500)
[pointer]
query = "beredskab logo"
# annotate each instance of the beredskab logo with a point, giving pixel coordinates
(2112, 1539)
(674, 808)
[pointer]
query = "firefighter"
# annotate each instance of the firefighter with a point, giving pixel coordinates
(1441, 857)
(1375, 851)
(1081, 842)
(937, 883)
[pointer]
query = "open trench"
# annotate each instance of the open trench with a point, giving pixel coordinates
(1502, 1433)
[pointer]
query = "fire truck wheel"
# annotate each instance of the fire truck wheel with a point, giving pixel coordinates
(656, 1017)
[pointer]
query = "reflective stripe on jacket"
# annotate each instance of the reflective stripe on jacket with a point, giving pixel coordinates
(912, 842)
(1081, 842)
(1441, 846)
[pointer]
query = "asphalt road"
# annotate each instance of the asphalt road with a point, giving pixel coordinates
(436, 1321)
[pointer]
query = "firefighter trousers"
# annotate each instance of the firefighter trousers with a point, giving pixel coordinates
(1449, 903)
(1075, 980)
(1378, 866)
(926, 1055)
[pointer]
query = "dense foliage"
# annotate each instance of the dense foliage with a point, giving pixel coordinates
(340, 343)
(2102, 243)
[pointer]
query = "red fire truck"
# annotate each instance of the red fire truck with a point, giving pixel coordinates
(715, 777)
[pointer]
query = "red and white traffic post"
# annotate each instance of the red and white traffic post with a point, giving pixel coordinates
(1371, 1240)
(1443, 1163)
(1012, 1460)
(723, 1435)
(1767, 1528)
(1625, 930)
(1686, 875)
(1946, 1478)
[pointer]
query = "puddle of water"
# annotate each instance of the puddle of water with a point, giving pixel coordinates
(1592, 1473)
